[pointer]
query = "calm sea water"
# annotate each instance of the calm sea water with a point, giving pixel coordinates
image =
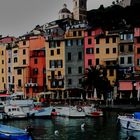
(103, 128)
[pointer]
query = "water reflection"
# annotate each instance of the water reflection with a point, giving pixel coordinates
(61, 128)
(129, 134)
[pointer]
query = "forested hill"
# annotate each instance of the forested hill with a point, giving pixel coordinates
(114, 17)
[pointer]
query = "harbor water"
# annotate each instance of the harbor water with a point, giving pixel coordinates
(62, 128)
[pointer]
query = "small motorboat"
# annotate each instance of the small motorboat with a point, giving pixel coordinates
(14, 112)
(93, 111)
(130, 121)
(13, 133)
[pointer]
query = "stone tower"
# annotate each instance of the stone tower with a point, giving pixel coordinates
(80, 9)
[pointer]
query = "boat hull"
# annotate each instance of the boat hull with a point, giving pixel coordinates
(129, 122)
(12, 133)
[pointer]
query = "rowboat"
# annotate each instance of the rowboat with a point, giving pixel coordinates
(13, 133)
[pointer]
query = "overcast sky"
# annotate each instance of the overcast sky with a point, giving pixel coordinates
(20, 16)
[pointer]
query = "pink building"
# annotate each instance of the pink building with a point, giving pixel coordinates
(89, 46)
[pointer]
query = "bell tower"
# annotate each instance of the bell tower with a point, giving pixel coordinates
(80, 9)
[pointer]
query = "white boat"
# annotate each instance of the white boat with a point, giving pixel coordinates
(68, 111)
(131, 122)
(39, 111)
(92, 111)
(14, 112)
(17, 99)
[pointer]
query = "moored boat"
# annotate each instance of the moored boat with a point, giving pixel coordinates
(14, 112)
(69, 111)
(40, 111)
(92, 111)
(130, 121)
(13, 133)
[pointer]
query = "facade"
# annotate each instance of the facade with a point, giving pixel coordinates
(137, 49)
(20, 65)
(126, 54)
(55, 62)
(90, 47)
(3, 79)
(74, 56)
(106, 53)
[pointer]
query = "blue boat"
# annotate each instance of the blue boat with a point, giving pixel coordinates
(13, 133)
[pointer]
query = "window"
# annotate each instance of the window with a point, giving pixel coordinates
(2, 79)
(129, 60)
(89, 62)
(19, 83)
(9, 79)
(60, 63)
(89, 33)
(89, 51)
(107, 50)
(44, 70)
(15, 51)
(9, 60)
(121, 48)
(69, 81)
(80, 81)
(138, 50)
(2, 53)
(58, 43)
(114, 39)
(79, 55)
(2, 61)
(97, 61)
(74, 33)
(107, 40)
(13, 79)
(9, 69)
(79, 33)
(52, 52)
(35, 71)
(24, 51)
(2, 70)
(130, 48)
(24, 61)
(52, 63)
(69, 56)
(79, 70)
(59, 73)
(138, 62)
(69, 70)
(19, 71)
(58, 51)
(111, 72)
(97, 50)
(97, 41)
(24, 42)
(35, 61)
(122, 60)
(114, 50)
(89, 41)
(15, 59)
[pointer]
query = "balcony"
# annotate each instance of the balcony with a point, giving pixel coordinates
(31, 85)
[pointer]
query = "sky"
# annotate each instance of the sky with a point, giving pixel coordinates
(18, 17)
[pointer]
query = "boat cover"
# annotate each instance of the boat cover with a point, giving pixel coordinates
(137, 115)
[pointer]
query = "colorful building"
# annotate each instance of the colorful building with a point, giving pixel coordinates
(106, 53)
(3, 79)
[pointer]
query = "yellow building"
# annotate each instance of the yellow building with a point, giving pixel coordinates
(3, 79)
(20, 64)
(107, 53)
